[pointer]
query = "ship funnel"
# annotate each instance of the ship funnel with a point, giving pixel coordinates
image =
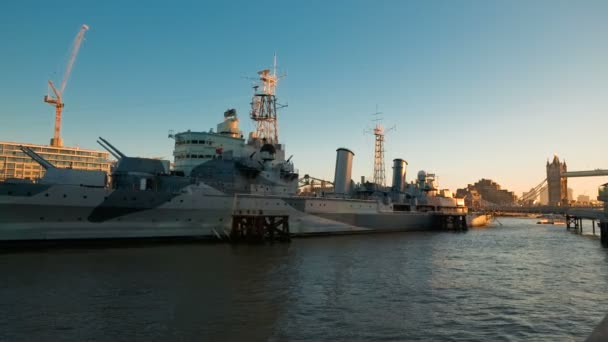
(342, 177)
(399, 171)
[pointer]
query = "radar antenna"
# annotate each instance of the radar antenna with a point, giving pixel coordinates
(264, 105)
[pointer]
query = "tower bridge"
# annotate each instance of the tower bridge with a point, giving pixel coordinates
(556, 182)
(557, 185)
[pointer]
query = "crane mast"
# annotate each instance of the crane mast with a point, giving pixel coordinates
(57, 100)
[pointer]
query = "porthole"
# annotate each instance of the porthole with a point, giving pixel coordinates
(85, 196)
(46, 195)
(64, 195)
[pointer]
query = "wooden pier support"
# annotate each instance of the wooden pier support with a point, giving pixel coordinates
(604, 233)
(574, 222)
(452, 222)
(260, 228)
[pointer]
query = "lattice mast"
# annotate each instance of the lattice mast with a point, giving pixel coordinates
(264, 105)
(379, 172)
(379, 132)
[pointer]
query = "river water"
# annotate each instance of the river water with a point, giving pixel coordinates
(516, 282)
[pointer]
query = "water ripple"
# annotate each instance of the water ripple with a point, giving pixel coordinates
(518, 282)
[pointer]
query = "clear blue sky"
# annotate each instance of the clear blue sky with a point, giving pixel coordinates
(475, 88)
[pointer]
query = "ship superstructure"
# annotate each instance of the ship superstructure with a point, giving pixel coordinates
(194, 148)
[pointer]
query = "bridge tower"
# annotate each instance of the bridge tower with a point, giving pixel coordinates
(557, 183)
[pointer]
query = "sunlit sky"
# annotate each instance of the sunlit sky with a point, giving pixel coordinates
(475, 89)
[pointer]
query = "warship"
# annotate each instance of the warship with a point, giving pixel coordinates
(215, 176)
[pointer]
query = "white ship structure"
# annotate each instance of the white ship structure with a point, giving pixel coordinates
(216, 175)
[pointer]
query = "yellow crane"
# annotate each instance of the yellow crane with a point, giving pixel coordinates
(57, 101)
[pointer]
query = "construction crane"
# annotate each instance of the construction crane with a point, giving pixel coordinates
(57, 101)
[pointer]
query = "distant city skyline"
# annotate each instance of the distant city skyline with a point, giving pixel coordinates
(476, 89)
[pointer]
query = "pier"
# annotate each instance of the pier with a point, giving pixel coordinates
(260, 228)
(575, 217)
(451, 221)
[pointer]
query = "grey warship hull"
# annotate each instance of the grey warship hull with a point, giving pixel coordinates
(60, 212)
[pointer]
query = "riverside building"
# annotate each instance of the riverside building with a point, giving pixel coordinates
(16, 164)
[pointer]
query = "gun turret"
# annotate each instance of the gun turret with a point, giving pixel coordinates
(56, 175)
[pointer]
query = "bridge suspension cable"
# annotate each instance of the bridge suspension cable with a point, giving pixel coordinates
(535, 192)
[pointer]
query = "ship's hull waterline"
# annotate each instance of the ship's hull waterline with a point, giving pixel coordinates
(62, 212)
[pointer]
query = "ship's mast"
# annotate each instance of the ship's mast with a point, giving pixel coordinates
(379, 170)
(264, 105)
(379, 155)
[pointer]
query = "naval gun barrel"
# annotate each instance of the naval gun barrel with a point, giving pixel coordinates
(109, 150)
(122, 155)
(43, 162)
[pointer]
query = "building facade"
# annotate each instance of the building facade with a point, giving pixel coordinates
(488, 192)
(583, 200)
(16, 164)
